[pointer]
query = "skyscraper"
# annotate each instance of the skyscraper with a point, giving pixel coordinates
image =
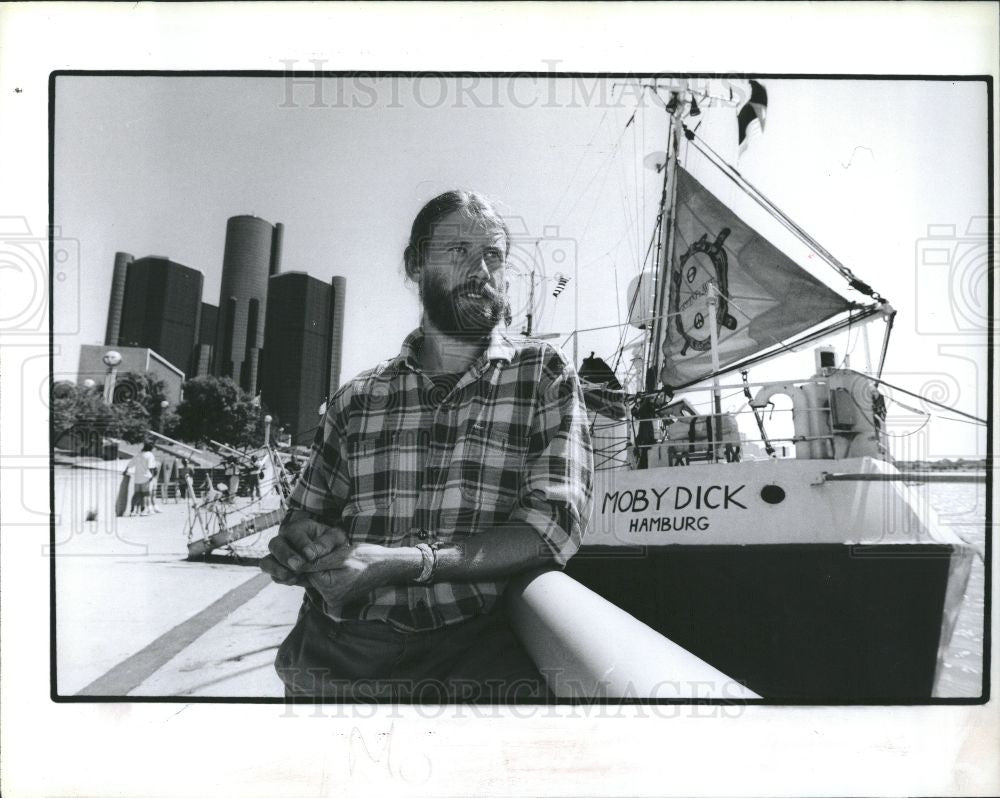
(160, 308)
(201, 360)
(302, 353)
(251, 255)
(117, 303)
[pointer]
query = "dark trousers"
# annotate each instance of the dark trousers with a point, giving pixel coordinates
(480, 660)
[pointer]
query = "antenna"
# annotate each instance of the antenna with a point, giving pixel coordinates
(531, 302)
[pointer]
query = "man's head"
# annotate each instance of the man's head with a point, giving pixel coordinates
(457, 255)
(147, 446)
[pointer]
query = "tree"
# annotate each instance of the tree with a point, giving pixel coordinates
(216, 408)
(78, 409)
(131, 421)
(136, 405)
(148, 390)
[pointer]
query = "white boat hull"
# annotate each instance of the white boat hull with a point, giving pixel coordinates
(839, 591)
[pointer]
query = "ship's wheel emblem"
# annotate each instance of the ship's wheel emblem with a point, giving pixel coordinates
(704, 262)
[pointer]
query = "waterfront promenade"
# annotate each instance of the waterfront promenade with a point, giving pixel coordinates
(135, 618)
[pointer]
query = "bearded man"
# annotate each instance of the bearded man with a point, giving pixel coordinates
(434, 477)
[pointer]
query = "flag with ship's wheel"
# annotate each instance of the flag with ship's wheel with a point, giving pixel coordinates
(764, 297)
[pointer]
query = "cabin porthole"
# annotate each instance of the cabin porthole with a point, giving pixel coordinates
(772, 494)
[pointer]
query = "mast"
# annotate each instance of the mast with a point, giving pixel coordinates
(664, 260)
(531, 304)
(661, 281)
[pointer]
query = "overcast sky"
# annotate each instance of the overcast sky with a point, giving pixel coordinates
(155, 165)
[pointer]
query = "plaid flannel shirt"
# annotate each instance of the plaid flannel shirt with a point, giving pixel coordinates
(399, 460)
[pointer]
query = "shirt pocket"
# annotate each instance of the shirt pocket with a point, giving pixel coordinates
(491, 463)
(373, 462)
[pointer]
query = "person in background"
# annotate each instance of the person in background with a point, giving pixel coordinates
(185, 479)
(233, 473)
(254, 475)
(141, 467)
(154, 470)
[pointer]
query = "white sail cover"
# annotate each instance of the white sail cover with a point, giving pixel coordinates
(764, 296)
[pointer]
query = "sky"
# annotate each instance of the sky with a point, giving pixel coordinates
(887, 175)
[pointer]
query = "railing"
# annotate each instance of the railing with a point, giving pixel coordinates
(611, 451)
(812, 423)
(586, 647)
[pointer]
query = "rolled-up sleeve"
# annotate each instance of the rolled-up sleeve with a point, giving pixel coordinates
(324, 485)
(556, 490)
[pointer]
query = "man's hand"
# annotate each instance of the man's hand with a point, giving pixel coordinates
(303, 544)
(363, 568)
(306, 552)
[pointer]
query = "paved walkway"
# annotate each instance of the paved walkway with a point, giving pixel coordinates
(134, 617)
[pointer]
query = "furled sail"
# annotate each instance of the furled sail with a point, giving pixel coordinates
(764, 296)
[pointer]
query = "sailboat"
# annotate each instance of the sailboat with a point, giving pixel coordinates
(804, 568)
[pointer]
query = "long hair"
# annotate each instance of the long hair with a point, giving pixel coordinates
(474, 205)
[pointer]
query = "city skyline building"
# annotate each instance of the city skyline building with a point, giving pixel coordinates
(251, 256)
(159, 307)
(204, 349)
(122, 262)
(301, 366)
(279, 335)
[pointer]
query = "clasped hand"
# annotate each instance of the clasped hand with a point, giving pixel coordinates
(310, 554)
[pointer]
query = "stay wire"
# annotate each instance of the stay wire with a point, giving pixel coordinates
(734, 175)
(880, 381)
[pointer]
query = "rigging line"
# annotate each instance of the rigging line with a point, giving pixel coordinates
(885, 343)
(712, 401)
(623, 186)
(604, 168)
(605, 254)
(848, 347)
(908, 434)
(958, 420)
(916, 410)
(635, 296)
(579, 163)
(637, 244)
(630, 228)
(735, 176)
(624, 324)
(618, 303)
(600, 192)
(880, 381)
(638, 182)
(634, 246)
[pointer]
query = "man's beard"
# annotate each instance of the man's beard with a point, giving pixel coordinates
(456, 312)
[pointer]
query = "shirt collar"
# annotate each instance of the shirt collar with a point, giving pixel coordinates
(498, 348)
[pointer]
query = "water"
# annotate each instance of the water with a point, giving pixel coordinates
(962, 508)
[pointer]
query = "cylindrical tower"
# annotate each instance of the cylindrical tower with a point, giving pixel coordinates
(246, 264)
(339, 285)
(122, 261)
(276, 240)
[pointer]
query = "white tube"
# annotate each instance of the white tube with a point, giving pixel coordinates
(585, 646)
